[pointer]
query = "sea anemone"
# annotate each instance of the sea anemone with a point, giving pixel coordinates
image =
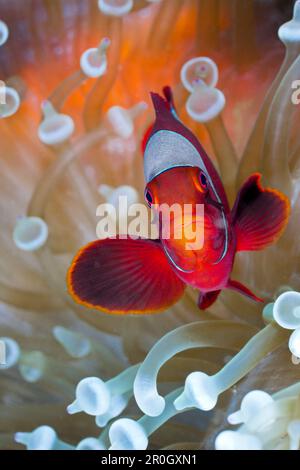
(74, 107)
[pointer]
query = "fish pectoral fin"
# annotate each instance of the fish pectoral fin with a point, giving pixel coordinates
(239, 287)
(206, 299)
(124, 275)
(259, 215)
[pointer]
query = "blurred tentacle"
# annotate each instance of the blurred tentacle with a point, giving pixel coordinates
(225, 153)
(207, 38)
(47, 185)
(244, 32)
(26, 299)
(65, 88)
(163, 23)
(76, 175)
(97, 96)
(44, 190)
(252, 155)
(277, 133)
(294, 162)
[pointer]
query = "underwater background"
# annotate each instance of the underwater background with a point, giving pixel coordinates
(63, 152)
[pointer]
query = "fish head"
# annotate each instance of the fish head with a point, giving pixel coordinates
(190, 224)
(184, 191)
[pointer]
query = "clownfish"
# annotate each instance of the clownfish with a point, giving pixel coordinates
(127, 275)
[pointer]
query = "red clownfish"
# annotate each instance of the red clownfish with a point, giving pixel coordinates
(142, 275)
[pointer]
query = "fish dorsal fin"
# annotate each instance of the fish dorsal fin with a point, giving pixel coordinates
(168, 120)
(259, 215)
(168, 94)
(161, 106)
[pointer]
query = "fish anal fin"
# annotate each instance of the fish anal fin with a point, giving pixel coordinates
(259, 215)
(206, 299)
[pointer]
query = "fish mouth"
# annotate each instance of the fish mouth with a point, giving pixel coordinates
(182, 237)
(178, 232)
(182, 246)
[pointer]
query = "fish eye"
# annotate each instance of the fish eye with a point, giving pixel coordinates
(203, 180)
(148, 197)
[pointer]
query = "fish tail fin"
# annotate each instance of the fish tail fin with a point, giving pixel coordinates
(259, 215)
